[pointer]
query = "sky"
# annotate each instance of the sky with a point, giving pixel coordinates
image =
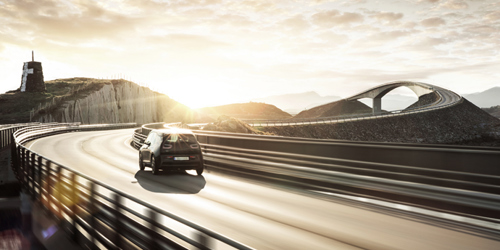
(214, 52)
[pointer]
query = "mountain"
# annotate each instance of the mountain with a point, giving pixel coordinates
(494, 111)
(294, 103)
(485, 99)
(251, 110)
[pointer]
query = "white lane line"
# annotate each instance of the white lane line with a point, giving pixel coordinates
(128, 142)
(33, 144)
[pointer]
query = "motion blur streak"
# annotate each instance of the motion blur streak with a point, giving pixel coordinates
(256, 215)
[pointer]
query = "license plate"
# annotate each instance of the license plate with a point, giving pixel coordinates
(181, 158)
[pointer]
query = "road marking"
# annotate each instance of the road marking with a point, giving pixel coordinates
(127, 142)
(32, 144)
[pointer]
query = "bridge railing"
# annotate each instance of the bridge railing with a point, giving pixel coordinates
(7, 130)
(95, 214)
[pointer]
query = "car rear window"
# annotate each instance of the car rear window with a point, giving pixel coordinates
(186, 138)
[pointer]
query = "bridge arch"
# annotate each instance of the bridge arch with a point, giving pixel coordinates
(380, 91)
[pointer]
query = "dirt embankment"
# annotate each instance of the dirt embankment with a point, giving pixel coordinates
(424, 100)
(342, 107)
(461, 124)
(251, 110)
(230, 124)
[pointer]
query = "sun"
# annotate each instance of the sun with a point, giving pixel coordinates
(196, 92)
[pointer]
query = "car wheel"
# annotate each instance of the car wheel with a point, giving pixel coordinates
(141, 162)
(199, 170)
(154, 169)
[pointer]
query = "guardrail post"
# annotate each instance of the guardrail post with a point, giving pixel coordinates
(14, 161)
(32, 176)
(153, 216)
(2, 138)
(204, 241)
(23, 162)
(48, 180)
(92, 209)
(117, 202)
(73, 207)
(57, 202)
(39, 178)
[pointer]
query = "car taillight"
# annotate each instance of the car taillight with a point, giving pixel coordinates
(192, 157)
(167, 146)
(170, 157)
(194, 146)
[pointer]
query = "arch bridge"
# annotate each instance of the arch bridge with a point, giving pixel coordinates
(380, 91)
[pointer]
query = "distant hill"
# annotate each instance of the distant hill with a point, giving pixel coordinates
(485, 99)
(251, 110)
(294, 103)
(90, 101)
(342, 107)
(494, 111)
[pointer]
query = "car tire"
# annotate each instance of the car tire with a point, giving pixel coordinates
(154, 169)
(199, 170)
(141, 162)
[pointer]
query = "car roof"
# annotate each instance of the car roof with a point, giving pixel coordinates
(168, 131)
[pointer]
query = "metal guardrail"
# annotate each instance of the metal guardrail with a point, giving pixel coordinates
(455, 179)
(7, 130)
(95, 214)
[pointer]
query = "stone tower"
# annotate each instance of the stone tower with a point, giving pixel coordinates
(32, 79)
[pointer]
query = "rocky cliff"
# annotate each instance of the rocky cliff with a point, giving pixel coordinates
(119, 101)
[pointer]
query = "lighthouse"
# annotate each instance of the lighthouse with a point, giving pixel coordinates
(32, 78)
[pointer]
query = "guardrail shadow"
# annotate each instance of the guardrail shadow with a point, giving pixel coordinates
(178, 182)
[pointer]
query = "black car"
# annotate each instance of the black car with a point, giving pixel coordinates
(171, 149)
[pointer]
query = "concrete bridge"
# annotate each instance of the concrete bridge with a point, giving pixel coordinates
(380, 91)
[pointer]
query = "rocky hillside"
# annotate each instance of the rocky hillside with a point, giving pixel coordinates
(424, 100)
(494, 111)
(251, 110)
(230, 124)
(341, 107)
(464, 123)
(92, 101)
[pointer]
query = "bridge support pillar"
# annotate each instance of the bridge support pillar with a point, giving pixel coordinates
(377, 105)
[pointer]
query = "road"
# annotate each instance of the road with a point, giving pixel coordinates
(260, 216)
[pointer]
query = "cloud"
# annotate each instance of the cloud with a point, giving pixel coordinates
(454, 4)
(68, 22)
(481, 31)
(186, 42)
(296, 23)
(447, 4)
(493, 16)
(388, 16)
(333, 18)
(433, 22)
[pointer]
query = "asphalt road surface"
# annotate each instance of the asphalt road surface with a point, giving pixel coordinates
(260, 216)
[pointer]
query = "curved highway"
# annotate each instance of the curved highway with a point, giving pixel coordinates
(260, 216)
